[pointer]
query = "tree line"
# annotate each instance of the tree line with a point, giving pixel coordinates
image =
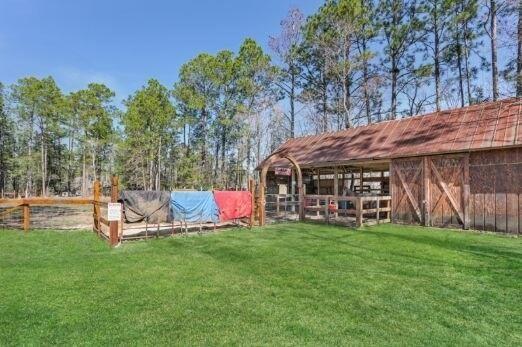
(351, 63)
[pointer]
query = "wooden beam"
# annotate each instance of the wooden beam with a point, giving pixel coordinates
(358, 212)
(27, 217)
(361, 179)
(393, 215)
(96, 207)
(251, 188)
(113, 228)
(46, 201)
(336, 187)
(318, 182)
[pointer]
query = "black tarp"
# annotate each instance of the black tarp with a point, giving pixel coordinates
(146, 206)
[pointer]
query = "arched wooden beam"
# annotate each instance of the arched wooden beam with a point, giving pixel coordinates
(264, 170)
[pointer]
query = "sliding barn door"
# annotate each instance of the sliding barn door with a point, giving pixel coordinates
(447, 179)
(406, 190)
(431, 190)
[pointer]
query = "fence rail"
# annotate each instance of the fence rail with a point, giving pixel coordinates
(25, 204)
(364, 210)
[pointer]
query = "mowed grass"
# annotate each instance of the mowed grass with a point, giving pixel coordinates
(286, 284)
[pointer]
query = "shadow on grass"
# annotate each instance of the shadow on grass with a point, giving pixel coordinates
(465, 246)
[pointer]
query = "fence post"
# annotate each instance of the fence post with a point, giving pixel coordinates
(302, 202)
(27, 217)
(113, 227)
(358, 212)
(96, 207)
(252, 189)
(327, 211)
(261, 204)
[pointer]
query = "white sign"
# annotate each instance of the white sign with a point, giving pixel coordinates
(114, 212)
(283, 171)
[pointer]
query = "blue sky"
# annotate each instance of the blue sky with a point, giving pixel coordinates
(124, 43)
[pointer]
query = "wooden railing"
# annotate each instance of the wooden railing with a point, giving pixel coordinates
(356, 207)
(282, 201)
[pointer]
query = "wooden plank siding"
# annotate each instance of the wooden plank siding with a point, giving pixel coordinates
(479, 190)
(497, 180)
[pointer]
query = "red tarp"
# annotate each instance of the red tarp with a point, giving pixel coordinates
(233, 204)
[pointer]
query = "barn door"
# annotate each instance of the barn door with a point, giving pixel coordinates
(406, 190)
(448, 190)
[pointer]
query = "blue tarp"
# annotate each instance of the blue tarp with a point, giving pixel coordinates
(194, 207)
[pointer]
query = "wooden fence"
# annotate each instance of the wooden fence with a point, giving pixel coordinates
(25, 204)
(363, 210)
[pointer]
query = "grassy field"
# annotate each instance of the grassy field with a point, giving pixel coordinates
(286, 284)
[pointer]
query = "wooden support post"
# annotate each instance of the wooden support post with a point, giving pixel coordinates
(293, 183)
(465, 192)
(302, 193)
(113, 227)
(261, 204)
(251, 188)
(27, 217)
(277, 204)
(96, 207)
(361, 179)
(381, 184)
(326, 211)
(343, 185)
(426, 170)
(336, 188)
(318, 182)
(358, 212)
(378, 210)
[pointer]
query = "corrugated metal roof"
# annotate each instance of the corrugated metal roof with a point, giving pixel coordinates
(481, 126)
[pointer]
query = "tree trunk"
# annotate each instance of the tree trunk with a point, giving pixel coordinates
(84, 172)
(365, 90)
(467, 70)
(292, 103)
(436, 59)
(158, 177)
(204, 137)
(325, 105)
(223, 153)
(459, 66)
(93, 154)
(519, 56)
(43, 160)
(394, 74)
(493, 36)
(347, 92)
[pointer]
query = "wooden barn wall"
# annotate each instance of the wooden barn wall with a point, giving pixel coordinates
(496, 190)
(479, 190)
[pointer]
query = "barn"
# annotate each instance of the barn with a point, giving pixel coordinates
(455, 168)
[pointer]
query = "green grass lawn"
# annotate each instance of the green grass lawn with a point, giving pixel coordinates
(286, 284)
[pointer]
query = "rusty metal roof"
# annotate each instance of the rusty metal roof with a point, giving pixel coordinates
(482, 126)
